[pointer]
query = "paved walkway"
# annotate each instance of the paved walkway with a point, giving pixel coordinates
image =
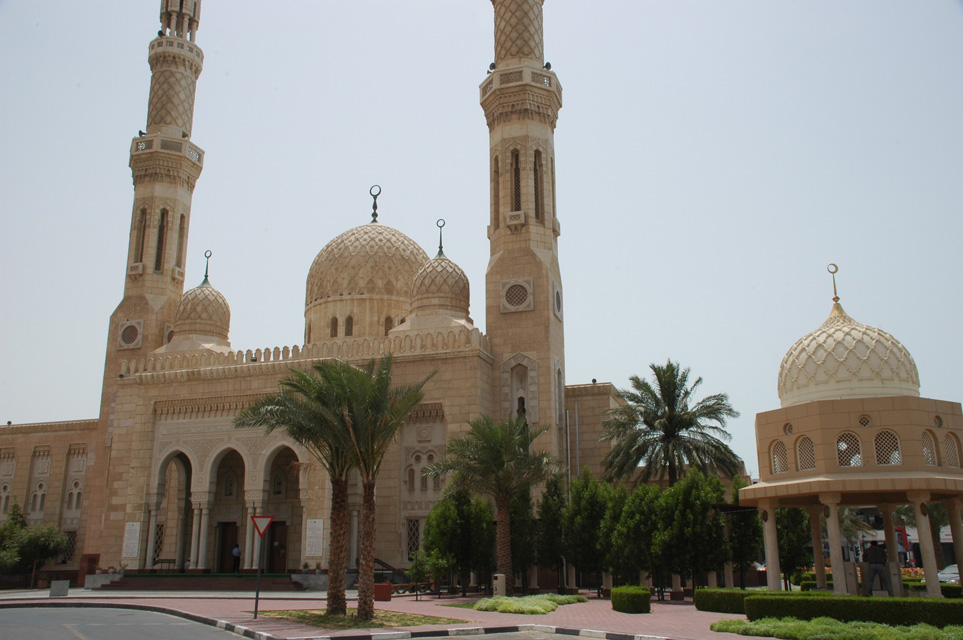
(233, 611)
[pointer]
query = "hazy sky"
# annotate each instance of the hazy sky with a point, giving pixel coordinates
(711, 156)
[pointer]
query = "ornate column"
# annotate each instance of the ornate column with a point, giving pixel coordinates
(930, 569)
(249, 536)
(154, 503)
(195, 536)
(831, 511)
(956, 526)
(814, 512)
(205, 526)
(770, 536)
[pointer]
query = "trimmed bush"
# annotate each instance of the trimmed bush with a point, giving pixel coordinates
(891, 611)
(532, 605)
(721, 600)
(631, 600)
(951, 590)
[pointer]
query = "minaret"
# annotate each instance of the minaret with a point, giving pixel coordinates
(521, 97)
(165, 164)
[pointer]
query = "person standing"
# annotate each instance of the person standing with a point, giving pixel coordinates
(237, 558)
(875, 556)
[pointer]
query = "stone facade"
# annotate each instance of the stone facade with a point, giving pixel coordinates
(163, 480)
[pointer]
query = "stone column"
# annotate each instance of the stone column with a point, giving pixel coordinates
(249, 537)
(816, 529)
(889, 531)
(713, 579)
(730, 576)
(767, 513)
(956, 527)
(533, 577)
(205, 525)
(930, 570)
(831, 511)
(195, 536)
(151, 536)
(676, 593)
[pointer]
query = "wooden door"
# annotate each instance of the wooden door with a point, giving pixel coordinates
(227, 538)
(278, 553)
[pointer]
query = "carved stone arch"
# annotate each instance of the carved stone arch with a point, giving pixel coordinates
(168, 455)
(260, 474)
(219, 451)
(510, 388)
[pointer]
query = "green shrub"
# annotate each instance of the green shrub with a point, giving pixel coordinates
(532, 605)
(891, 611)
(951, 590)
(721, 600)
(631, 600)
(830, 629)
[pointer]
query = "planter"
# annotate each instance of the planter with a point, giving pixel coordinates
(382, 591)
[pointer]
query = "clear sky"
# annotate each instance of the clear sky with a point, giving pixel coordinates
(712, 158)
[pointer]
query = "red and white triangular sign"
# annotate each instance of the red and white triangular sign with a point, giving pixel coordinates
(261, 524)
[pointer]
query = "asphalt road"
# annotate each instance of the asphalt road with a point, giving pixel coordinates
(101, 624)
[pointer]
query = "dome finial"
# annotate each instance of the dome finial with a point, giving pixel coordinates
(375, 191)
(441, 252)
(207, 256)
(832, 268)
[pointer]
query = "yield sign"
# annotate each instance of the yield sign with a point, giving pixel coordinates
(261, 523)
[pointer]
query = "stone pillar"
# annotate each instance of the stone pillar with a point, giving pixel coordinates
(819, 562)
(767, 513)
(205, 526)
(570, 575)
(930, 570)
(713, 579)
(831, 511)
(956, 527)
(889, 531)
(250, 535)
(729, 576)
(151, 537)
(676, 593)
(195, 536)
(533, 577)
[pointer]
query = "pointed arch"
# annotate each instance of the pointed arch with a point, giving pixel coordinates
(161, 241)
(805, 454)
(928, 442)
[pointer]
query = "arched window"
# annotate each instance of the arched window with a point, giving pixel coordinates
(6, 503)
(229, 484)
(554, 209)
(161, 239)
(929, 450)
(278, 482)
(307, 336)
(334, 327)
(537, 172)
(887, 448)
(349, 326)
(805, 454)
(951, 451)
(778, 457)
(496, 195)
(34, 501)
(411, 480)
(848, 450)
(43, 501)
(141, 236)
(389, 325)
(70, 500)
(516, 182)
(181, 241)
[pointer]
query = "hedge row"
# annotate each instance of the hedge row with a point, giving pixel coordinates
(631, 600)
(732, 600)
(949, 590)
(891, 611)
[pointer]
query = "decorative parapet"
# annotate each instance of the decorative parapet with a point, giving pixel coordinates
(49, 427)
(209, 365)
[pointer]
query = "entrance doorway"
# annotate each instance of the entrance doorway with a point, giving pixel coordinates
(226, 539)
(278, 551)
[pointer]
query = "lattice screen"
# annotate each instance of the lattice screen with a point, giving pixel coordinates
(951, 450)
(158, 542)
(887, 448)
(71, 546)
(805, 454)
(414, 537)
(848, 452)
(780, 461)
(929, 450)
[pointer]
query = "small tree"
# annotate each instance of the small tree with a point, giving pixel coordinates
(37, 545)
(459, 527)
(523, 542)
(9, 549)
(792, 527)
(581, 521)
(636, 531)
(745, 534)
(549, 545)
(613, 554)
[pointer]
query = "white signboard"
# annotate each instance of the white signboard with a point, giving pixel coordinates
(131, 539)
(314, 538)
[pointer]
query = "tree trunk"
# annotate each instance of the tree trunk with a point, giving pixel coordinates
(366, 554)
(503, 535)
(337, 558)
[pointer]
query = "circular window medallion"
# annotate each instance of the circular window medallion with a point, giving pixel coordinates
(129, 334)
(516, 295)
(938, 421)
(4, 488)
(431, 457)
(417, 458)
(787, 428)
(865, 421)
(558, 301)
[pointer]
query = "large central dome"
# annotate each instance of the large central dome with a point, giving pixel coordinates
(372, 260)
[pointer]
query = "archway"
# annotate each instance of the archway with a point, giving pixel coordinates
(227, 522)
(171, 515)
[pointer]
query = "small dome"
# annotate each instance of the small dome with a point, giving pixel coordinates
(203, 311)
(368, 260)
(440, 285)
(846, 359)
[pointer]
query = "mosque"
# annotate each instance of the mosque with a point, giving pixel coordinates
(161, 479)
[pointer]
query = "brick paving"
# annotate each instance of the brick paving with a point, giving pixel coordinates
(233, 611)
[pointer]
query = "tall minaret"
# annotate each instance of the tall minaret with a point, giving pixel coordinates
(165, 164)
(521, 97)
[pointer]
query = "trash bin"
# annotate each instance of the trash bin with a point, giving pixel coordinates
(498, 585)
(382, 591)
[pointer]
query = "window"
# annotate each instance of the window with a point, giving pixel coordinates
(161, 238)
(537, 172)
(779, 458)
(887, 449)
(181, 241)
(496, 194)
(141, 235)
(951, 451)
(848, 451)
(929, 450)
(349, 326)
(414, 537)
(389, 325)
(277, 483)
(516, 182)
(411, 480)
(334, 327)
(805, 454)
(71, 547)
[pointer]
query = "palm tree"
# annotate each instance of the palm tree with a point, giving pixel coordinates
(496, 459)
(371, 413)
(662, 428)
(307, 408)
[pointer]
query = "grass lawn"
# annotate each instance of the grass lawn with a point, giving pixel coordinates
(382, 618)
(831, 629)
